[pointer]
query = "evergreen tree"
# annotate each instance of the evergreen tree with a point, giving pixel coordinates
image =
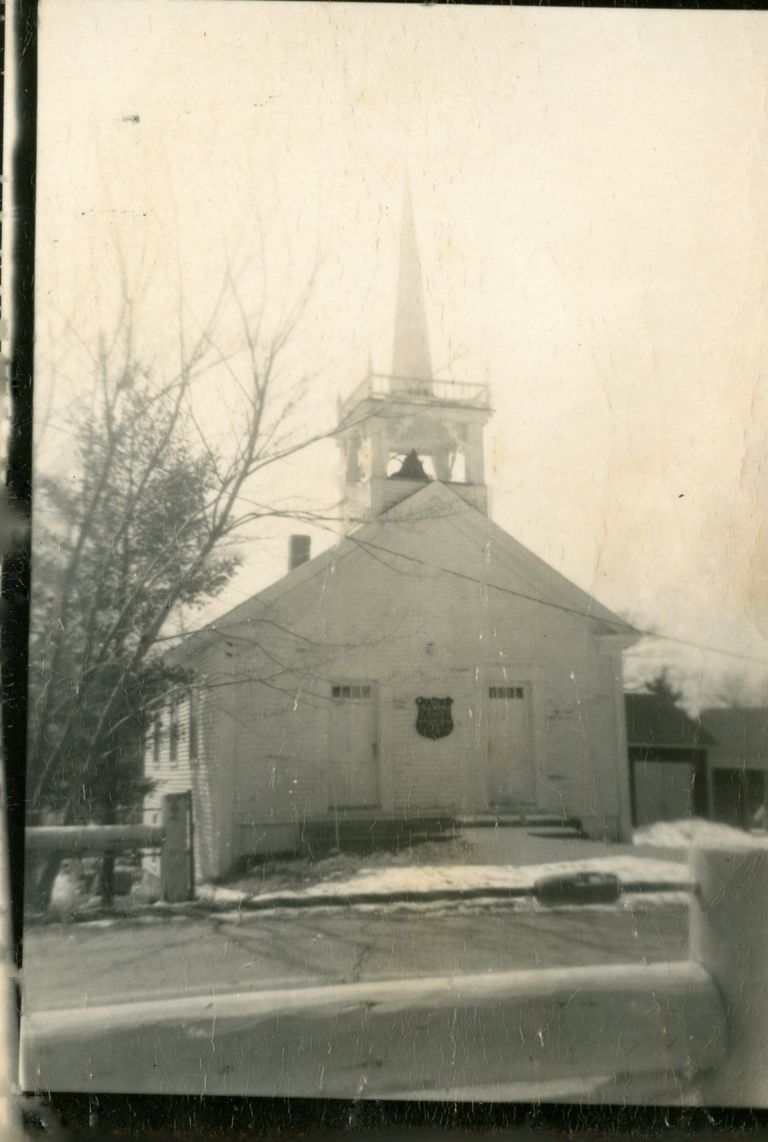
(664, 688)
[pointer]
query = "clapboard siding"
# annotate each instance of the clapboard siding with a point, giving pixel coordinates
(204, 775)
(407, 627)
(407, 640)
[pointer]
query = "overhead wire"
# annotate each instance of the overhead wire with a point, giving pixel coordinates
(626, 626)
(319, 522)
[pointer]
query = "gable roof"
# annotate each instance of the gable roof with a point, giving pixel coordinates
(542, 584)
(655, 721)
(547, 585)
(741, 732)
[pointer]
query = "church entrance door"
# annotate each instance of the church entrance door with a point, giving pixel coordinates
(354, 777)
(511, 778)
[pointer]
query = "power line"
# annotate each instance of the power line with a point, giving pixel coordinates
(700, 646)
(318, 521)
(363, 544)
(629, 627)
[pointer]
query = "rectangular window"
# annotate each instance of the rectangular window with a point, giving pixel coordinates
(506, 693)
(193, 698)
(157, 737)
(173, 732)
(356, 693)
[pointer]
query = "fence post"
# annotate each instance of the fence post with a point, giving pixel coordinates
(729, 937)
(175, 860)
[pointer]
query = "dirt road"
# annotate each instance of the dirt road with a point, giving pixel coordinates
(82, 965)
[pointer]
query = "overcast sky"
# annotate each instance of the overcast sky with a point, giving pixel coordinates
(591, 200)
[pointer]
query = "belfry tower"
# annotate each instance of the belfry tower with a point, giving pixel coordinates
(401, 430)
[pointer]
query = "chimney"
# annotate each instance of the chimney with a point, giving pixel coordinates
(299, 551)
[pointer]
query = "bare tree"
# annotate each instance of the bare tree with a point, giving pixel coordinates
(146, 529)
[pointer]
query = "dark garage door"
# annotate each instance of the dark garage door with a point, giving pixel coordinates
(737, 795)
(667, 785)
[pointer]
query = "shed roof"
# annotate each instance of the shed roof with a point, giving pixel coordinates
(656, 721)
(741, 732)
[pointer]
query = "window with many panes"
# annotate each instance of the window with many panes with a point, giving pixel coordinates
(506, 692)
(358, 692)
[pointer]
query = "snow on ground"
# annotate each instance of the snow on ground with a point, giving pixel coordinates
(427, 878)
(634, 903)
(477, 859)
(417, 879)
(694, 832)
(483, 859)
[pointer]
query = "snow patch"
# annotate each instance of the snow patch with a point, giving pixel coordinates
(694, 832)
(436, 878)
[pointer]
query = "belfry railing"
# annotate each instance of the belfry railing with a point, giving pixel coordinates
(381, 386)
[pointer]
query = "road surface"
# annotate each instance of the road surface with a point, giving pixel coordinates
(85, 965)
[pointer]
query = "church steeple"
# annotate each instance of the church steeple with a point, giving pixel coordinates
(410, 350)
(401, 430)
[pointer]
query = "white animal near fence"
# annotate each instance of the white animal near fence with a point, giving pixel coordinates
(174, 839)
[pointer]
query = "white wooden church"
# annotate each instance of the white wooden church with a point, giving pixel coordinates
(428, 666)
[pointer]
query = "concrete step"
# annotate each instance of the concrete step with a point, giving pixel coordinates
(369, 834)
(565, 832)
(539, 822)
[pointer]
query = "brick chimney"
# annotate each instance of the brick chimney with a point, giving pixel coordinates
(299, 551)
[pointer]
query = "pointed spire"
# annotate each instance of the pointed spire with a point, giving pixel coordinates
(410, 352)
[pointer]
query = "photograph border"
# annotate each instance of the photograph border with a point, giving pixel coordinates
(185, 1117)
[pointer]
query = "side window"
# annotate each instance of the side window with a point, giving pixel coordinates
(194, 721)
(157, 737)
(173, 732)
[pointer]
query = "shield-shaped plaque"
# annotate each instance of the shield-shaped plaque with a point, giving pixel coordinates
(434, 717)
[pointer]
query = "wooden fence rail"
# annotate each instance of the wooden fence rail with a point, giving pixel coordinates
(574, 1033)
(75, 839)
(174, 839)
(693, 1032)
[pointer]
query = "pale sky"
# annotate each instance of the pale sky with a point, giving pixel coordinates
(591, 198)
